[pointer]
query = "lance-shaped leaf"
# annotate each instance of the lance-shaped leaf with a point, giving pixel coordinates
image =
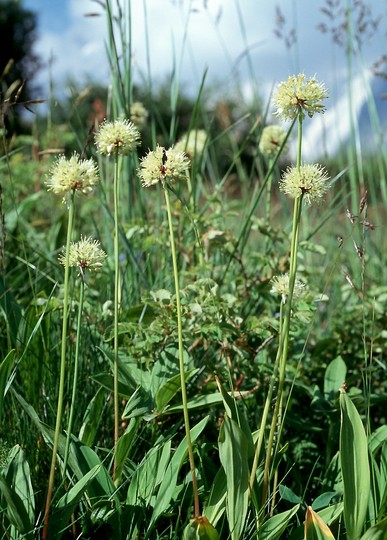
(315, 527)
(354, 466)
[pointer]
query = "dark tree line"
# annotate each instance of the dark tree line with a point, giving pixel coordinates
(18, 62)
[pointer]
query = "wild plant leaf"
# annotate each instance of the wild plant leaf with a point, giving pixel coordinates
(17, 475)
(334, 378)
(124, 445)
(15, 510)
(106, 380)
(315, 527)
(377, 439)
(377, 532)
(148, 475)
(200, 529)
(139, 404)
(199, 402)
(288, 495)
(323, 500)
(216, 503)
(5, 371)
(232, 411)
(355, 468)
(233, 454)
(170, 388)
(92, 417)
(168, 484)
(65, 507)
(275, 526)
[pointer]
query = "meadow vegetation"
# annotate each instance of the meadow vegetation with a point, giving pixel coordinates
(193, 326)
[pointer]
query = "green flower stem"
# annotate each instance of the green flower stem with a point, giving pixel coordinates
(268, 191)
(276, 423)
(181, 358)
(116, 305)
(265, 413)
(59, 411)
(75, 376)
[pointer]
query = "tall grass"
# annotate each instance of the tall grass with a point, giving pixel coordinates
(228, 351)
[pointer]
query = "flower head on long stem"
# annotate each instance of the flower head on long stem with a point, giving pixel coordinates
(299, 95)
(309, 181)
(280, 286)
(85, 255)
(120, 137)
(73, 174)
(160, 165)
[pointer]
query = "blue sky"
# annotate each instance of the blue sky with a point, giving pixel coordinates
(218, 33)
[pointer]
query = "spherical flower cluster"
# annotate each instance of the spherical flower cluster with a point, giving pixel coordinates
(138, 114)
(117, 138)
(280, 286)
(74, 174)
(298, 95)
(85, 255)
(271, 140)
(160, 165)
(192, 143)
(309, 181)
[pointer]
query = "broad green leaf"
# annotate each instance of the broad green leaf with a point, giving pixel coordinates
(106, 380)
(200, 529)
(5, 371)
(377, 439)
(377, 532)
(18, 476)
(15, 510)
(92, 417)
(149, 475)
(274, 527)
(334, 378)
(288, 495)
(59, 520)
(232, 411)
(216, 504)
(199, 402)
(124, 445)
(323, 500)
(233, 455)
(355, 468)
(170, 388)
(168, 484)
(315, 528)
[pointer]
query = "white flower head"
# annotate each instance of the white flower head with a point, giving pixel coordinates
(85, 255)
(299, 95)
(160, 165)
(73, 174)
(310, 181)
(120, 137)
(280, 286)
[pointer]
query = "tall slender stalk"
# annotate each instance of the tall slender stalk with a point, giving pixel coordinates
(116, 304)
(59, 412)
(181, 357)
(75, 374)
